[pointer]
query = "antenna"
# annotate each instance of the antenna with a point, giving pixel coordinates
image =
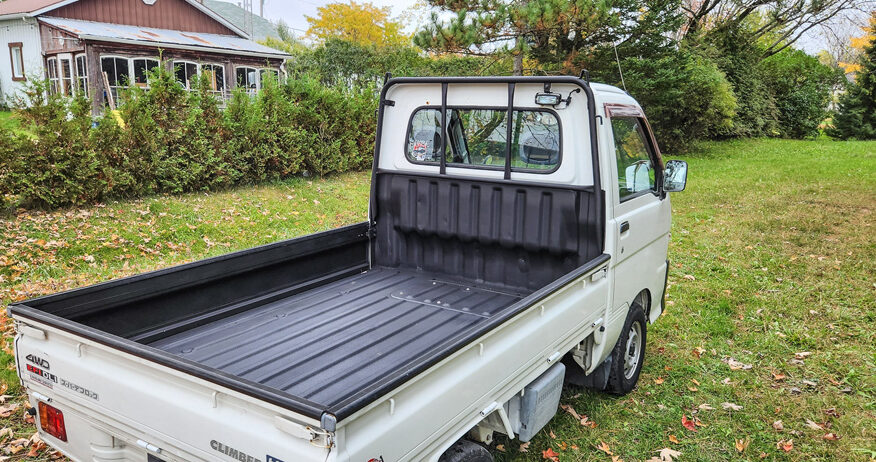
(616, 58)
(247, 17)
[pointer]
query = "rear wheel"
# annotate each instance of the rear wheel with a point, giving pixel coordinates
(466, 451)
(629, 353)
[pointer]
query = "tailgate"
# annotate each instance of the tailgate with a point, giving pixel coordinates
(117, 406)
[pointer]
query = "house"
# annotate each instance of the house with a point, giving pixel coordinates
(100, 46)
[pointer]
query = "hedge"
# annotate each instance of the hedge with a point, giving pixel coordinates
(165, 139)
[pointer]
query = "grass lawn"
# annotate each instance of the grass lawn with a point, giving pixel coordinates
(7, 122)
(770, 314)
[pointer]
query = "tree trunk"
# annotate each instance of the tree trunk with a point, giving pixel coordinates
(518, 57)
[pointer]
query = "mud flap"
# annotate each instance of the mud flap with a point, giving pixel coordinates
(597, 380)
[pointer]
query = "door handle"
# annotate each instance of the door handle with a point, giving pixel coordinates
(625, 226)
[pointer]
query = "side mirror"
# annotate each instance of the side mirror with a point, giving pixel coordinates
(675, 176)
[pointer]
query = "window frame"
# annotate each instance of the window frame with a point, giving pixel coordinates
(20, 47)
(258, 79)
(119, 85)
(54, 82)
(78, 78)
(500, 168)
(132, 73)
(649, 147)
(67, 83)
(618, 110)
(218, 91)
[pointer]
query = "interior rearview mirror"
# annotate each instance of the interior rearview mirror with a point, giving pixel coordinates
(675, 176)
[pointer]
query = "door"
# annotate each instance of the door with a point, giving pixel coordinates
(641, 212)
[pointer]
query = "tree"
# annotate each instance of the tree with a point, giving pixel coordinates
(781, 22)
(560, 35)
(361, 23)
(856, 114)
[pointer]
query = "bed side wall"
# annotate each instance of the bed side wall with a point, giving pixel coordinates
(150, 304)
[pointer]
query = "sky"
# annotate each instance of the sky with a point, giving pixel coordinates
(294, 13)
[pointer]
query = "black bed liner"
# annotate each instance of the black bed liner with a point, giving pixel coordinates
(322, 325)
(323, 344)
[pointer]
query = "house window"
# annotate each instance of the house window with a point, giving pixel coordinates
(117, 74)
(66, 76)
(52, 75)
(215, 74)
(16, 56)
(186, 73)
(142, 67)
(82, 74)
(265, 72)
(248, 78)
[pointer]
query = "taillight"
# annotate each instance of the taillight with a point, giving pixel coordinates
(52, 421)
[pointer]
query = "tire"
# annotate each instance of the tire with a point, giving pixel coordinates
(466, 451)
(628, 354)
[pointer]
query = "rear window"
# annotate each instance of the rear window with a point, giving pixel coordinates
(478, 138)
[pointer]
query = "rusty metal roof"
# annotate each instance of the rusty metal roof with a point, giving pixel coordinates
(163, 38)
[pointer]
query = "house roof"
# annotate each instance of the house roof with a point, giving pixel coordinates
(26, 6)
(261, 27)
(162, 38)
(10, 9)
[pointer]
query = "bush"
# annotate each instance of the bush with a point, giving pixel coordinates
(801, 88)
(685, 96)
(166, 140)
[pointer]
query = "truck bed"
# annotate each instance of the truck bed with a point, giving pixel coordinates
(324, 324)
(327, 343)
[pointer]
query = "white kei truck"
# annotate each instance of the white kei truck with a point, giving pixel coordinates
(516, 239)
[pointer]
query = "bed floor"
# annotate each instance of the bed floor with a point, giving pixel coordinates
(330, 342)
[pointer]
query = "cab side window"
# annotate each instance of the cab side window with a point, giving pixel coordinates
(635, 167)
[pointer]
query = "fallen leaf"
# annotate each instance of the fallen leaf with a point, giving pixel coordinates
(814, 426)
(690, 277)
(832, 412)
(549, 454)
(786, 446)
(603, 446)
(500, 447)
(831, 437)
(695, 381)
(8, 410)
(524, 447)
(616, 459)
(731, 406)
(668, 454)
(571, 411)
(35, 449)
(737, 365)
(698, 351)
(802, 355)
(658, 380)
(688, 424)
(692, 389)
(778, 377)
(673, 439)
(778, 425)
(742, 444)
(552, 435)
(705, 407)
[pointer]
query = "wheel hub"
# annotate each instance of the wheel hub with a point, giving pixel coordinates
(633, 351)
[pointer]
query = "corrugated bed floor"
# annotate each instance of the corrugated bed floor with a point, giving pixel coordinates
(329, 342)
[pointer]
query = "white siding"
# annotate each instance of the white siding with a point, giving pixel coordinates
(28, 33)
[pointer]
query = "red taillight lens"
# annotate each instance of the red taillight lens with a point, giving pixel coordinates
(52, 421)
